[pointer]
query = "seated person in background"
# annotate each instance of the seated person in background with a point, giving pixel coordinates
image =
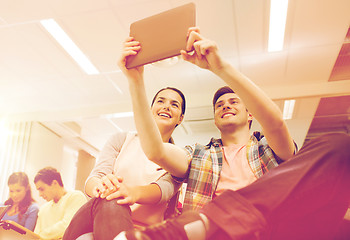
(55, 215)
(108, 213)
(236, 182)
(24, 210)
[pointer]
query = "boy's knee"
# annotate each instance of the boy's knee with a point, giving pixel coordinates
(332, 147)
(337, 142)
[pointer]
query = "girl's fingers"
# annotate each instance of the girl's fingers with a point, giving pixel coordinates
(101, 187)
(114, 195)
(107, 182)
(132, 44)
(95, 192)
(124, 201)
(114, 180)
(120, 179)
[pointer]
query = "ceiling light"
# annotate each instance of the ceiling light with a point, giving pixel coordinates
(114, 84)
(278, 18)
(71, 48)
(120, 115)
(115, 125)
(288, 109)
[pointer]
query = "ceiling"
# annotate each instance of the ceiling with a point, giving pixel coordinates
(39, 81)
(333, 113)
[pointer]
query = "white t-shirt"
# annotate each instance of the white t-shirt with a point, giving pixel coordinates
(126, 158)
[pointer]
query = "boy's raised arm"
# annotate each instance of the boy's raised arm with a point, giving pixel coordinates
(267, 113)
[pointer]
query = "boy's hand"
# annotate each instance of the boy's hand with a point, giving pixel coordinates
(205, 52)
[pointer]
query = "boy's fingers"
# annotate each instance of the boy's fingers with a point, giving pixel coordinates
(192, 38)
(197, 49)
(186, 56)
(193, 29)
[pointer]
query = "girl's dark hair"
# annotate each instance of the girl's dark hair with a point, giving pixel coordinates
(22, 179)
(183, 104)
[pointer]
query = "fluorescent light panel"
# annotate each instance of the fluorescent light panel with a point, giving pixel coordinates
(71, 48)
(115, 125)
(114, 84)
(278, 18)
(120, 115)
(288, 109)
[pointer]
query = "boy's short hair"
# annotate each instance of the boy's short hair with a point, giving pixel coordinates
(48, 175)
(223, 91)
(220, 92)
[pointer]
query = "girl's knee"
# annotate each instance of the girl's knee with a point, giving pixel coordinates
(112, 207)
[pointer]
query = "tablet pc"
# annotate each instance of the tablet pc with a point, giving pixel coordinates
(12, 230)
(162, 35)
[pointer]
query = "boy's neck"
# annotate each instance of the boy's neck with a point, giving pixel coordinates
(61, 193)
(238, 136)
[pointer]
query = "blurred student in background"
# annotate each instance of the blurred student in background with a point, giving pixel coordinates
(55, 215)
(24, 210)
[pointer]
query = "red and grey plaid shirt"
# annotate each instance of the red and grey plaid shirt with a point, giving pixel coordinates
(206, 164)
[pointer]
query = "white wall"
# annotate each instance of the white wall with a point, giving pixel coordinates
(201, 138)
(48, 149)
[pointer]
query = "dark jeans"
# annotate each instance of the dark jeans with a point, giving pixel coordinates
(105, 219)
(303, 198)
(344, 231)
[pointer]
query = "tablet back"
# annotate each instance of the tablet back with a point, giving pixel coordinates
(162, 35)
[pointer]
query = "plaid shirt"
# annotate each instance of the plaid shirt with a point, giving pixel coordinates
(206, 164)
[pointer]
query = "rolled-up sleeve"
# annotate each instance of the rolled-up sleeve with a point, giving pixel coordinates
(168, 186)
(106, 160)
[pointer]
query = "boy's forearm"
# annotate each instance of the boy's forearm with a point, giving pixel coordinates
(255, 99)
(263, 109)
